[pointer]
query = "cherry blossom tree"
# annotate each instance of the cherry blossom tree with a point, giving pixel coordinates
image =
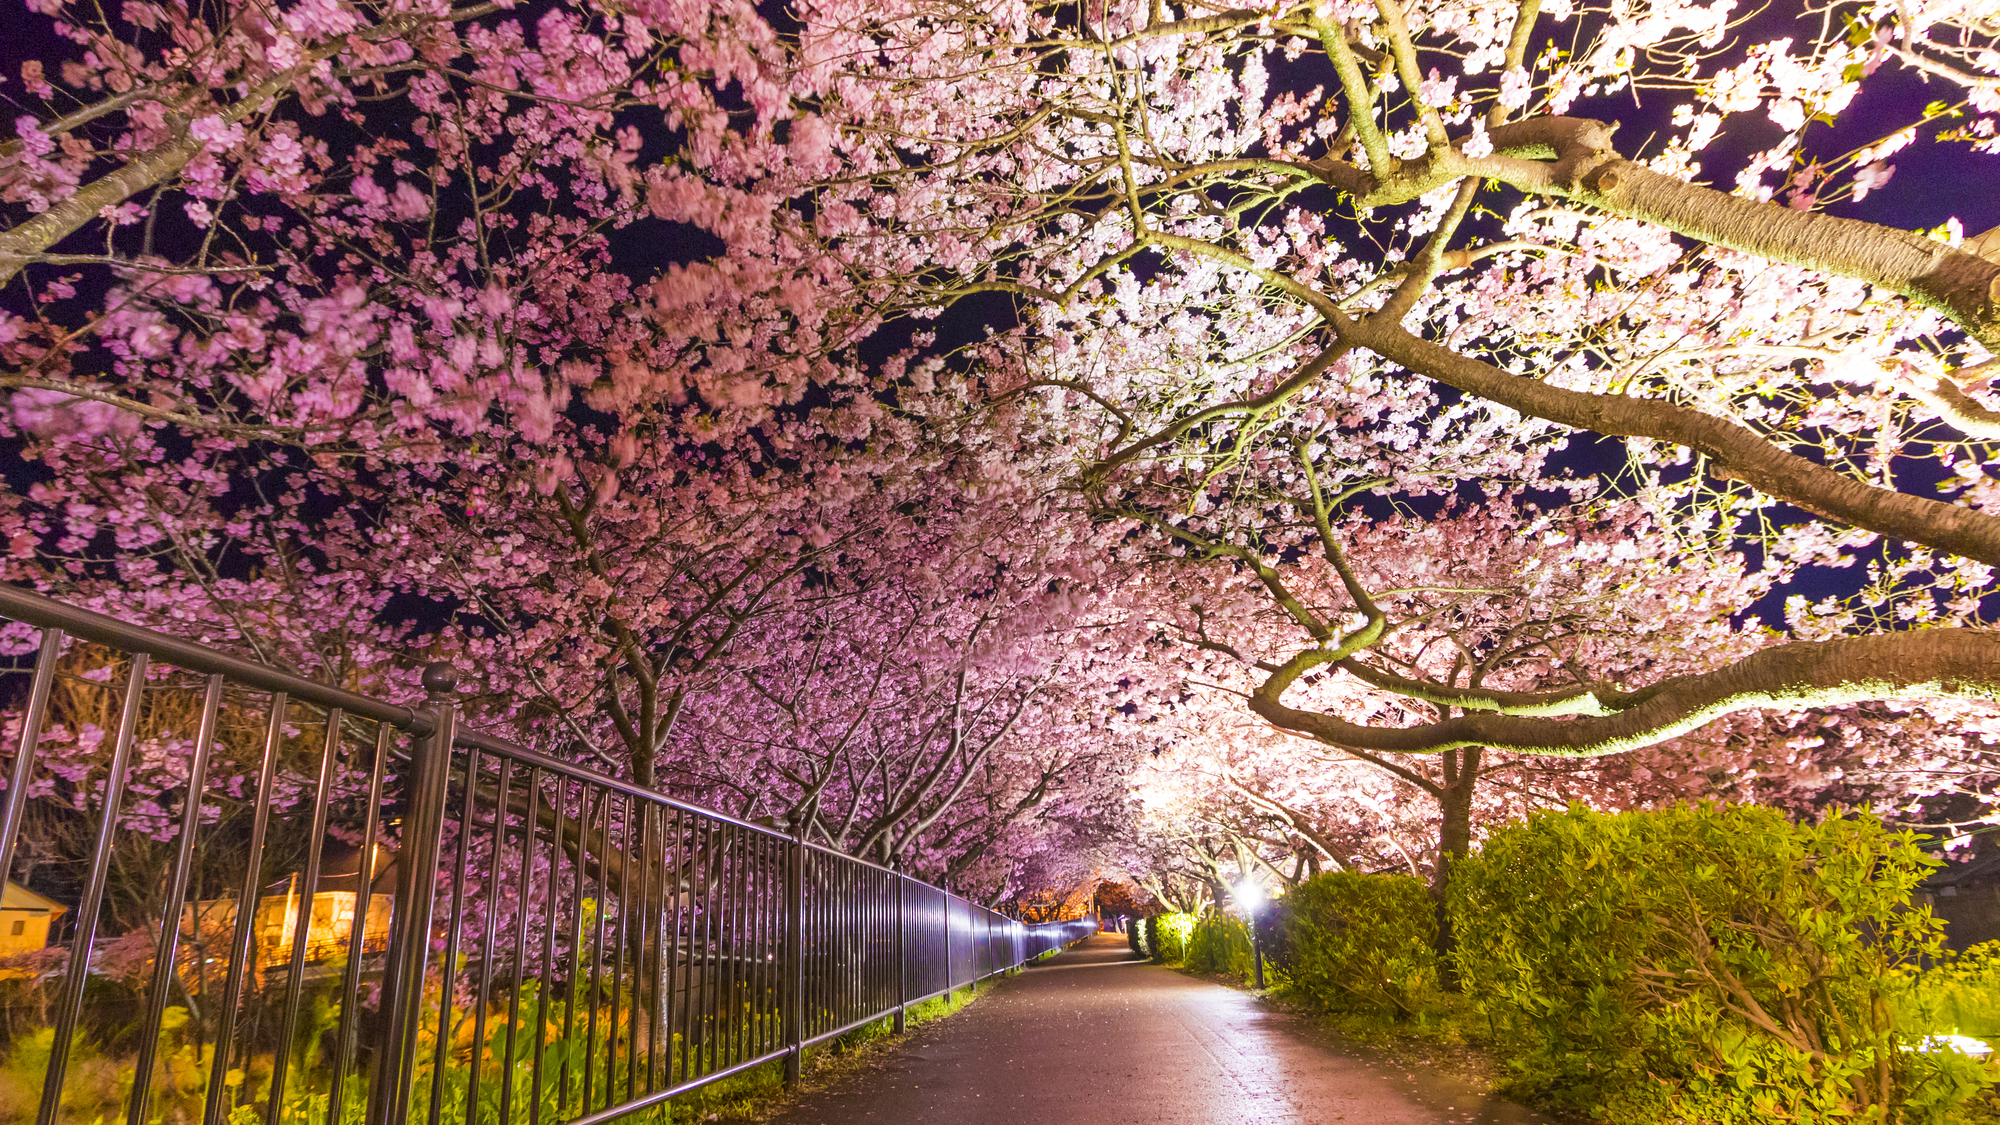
(1224, 224)
(350, 367)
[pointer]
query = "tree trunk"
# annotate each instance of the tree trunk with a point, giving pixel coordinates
(1454, 841)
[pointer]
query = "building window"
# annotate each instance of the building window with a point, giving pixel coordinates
(20, 928)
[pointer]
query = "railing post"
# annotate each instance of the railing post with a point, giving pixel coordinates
(902, 956)
(416, 883)
(795, 960)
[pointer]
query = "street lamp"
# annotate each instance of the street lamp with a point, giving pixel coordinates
(1250, 896)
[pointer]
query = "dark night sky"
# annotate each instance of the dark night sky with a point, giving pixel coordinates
(1932, 184)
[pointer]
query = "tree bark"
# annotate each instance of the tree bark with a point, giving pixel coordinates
(1921, 664)
(1739, 451)
(1454, 843)
(1572, 158)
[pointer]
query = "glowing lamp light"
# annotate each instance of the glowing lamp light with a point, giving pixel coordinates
(1963, 1044)
(1249, 896)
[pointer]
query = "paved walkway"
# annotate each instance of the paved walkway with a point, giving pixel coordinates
(1098, 1035)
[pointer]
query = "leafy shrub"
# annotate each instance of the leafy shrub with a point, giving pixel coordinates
(1135, 936)
(1958, 995)
(1167, 936)
(1705, 964)
(1354, 942)
(1221, 944)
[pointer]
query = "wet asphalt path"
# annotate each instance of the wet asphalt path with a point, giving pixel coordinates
(1098, 1034)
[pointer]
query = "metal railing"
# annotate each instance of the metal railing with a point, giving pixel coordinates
(333, 910)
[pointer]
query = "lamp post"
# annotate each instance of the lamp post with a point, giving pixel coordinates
(1250, 896)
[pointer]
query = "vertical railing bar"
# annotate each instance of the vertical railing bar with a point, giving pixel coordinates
(828, 967)
(427, 794)
(849, 954)
(717, 1039)
(637, 849)
(820, 973)
(302, 928)
(523, 892)
(597, 946)
(747, 947)
(615, 935)
(447, 1034)
(167, 951)
(774, 936)
(880, 959)
(804, 997)
(711, 945)
(862, 910)
(214, 1110)
(886, 994)
(673, 848)
(16, 806)
(864, 922)
(688, 876)
(791, 1016)
(671, 901)
(732, 917)
(760, 914)
(573, 930)
(357, 931)
(725, 947)
(857, 912)
(549, 910)
(659, 1019)
(684, 913)
(843, 957)
(85, 939)
(774, 926)
(873, 975)
(839, 968)
(902, 963)
(480, 994)
(628, 870)
(701, 1028)
(579, 874)
(656, 918)
(637, 821)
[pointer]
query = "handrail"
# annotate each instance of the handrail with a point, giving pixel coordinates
(494, 744)
(44, 612)
(47, 613)
(680, 944)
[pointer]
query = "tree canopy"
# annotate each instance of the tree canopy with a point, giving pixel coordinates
(920, 420)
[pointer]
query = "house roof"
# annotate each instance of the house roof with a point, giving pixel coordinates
(340, 870)
(17, 897)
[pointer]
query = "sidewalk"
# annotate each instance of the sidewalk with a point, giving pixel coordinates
(1100, 1033)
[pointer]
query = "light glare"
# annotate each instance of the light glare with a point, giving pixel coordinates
(1249, 896)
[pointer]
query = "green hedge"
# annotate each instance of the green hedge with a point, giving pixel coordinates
(1959, 996)
(1221, 944)
(1166, 937)
(1360, 943)
(1708, 964)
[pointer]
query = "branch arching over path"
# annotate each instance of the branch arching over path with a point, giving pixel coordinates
(1922, 664)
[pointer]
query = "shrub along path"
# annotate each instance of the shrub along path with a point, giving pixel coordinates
(1100, 1033)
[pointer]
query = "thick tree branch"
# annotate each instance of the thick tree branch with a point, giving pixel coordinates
(1572, 158)
(1736, 449)
(1926, 664)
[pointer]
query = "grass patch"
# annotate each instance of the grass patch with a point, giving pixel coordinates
(757, 1095)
